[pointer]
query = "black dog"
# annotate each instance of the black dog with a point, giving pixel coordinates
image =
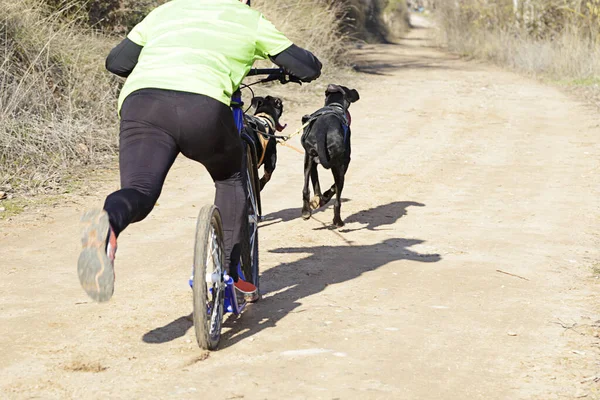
(326, 141)
(262, 127)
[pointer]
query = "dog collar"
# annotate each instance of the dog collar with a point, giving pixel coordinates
(271, 122)
(344, 111)
(336, 105)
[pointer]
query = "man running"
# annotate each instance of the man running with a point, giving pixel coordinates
(182, 63)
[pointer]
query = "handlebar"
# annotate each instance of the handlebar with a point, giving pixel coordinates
(265, 71)
(274, 74)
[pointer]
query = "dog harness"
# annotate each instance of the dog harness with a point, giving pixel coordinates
(330, 109)
(264, 126)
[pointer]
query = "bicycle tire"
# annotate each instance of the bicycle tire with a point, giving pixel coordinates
(249, 245)
(208, 305)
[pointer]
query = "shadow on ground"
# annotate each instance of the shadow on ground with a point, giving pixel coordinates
(289, 214)
(171, 331)
(386, 68)
(376, 60)
(323, 266)
(379, 216)
(285, 285)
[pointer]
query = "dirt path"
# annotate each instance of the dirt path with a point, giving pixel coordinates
(459, 170)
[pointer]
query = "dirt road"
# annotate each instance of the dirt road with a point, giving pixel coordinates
(459, 171)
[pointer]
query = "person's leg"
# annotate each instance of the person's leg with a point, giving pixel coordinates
(145, 156)
(209, 136)
(231, 199)
(147, 152)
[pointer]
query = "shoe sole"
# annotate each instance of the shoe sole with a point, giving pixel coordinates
(252, 298)
(248, 297)
(96, 272)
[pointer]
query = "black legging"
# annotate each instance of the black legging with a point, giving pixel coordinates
(155, 126)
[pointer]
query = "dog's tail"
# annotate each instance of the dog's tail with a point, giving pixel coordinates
(322, 148)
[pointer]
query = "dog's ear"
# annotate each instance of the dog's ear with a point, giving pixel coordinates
(352, 95)
(257, 102)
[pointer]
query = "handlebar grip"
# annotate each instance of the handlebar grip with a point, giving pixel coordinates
(274, 74)
(265, 71)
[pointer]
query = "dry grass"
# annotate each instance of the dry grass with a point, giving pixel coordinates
(326, 26)
(396, 18)
(596, 270)
(549, 39)
(375, 20)
(313, 24)
(56, 102)
(82, 366)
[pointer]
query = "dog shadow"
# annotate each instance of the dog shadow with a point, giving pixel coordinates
(376, 217)
(291, 282)
(290, 214)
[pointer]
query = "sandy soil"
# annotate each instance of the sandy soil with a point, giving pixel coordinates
(459, 171)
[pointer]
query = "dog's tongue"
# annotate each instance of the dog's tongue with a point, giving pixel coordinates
(348, 117)
(279, 127)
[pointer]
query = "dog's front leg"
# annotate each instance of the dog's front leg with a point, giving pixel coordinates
(269, 163)
(306, 212)
(338, 176)
(265, 178)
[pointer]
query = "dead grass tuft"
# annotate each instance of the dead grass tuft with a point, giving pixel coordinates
(550, 39)
(80, 366)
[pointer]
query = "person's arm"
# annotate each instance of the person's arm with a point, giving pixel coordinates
(123, 58)
(271, 43)
(299, 62)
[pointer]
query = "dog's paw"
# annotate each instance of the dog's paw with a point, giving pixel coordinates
(338, 222)
(306, 214)
(306, 211)
(316, 202)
